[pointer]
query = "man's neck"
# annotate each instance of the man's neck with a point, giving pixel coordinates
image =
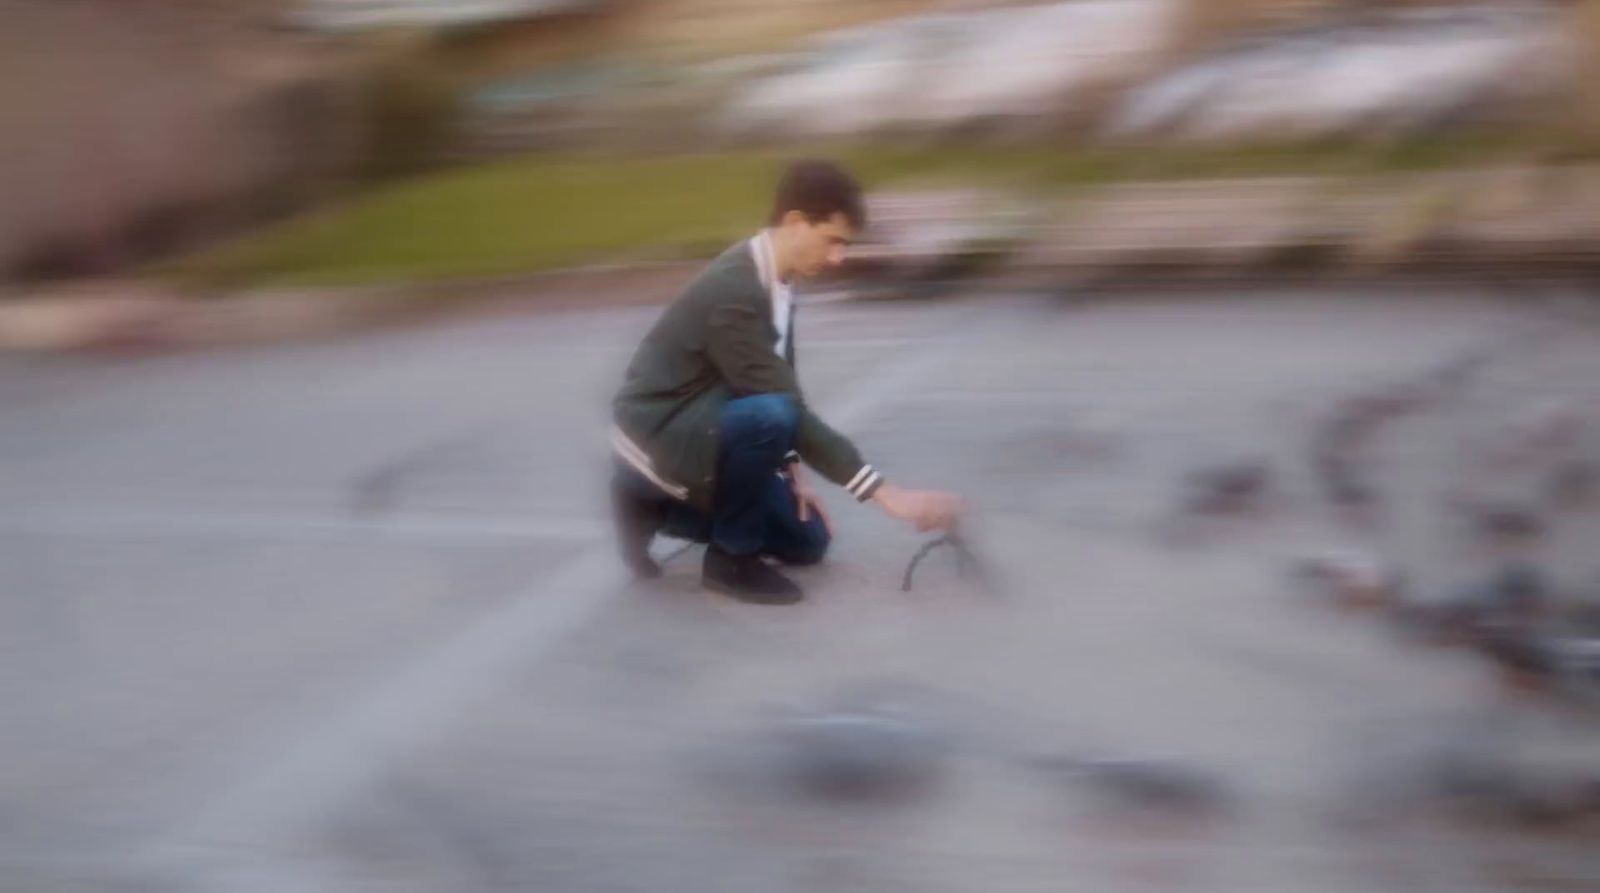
(780, 254)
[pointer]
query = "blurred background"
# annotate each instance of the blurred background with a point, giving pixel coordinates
(1261, 334)
(238, 144)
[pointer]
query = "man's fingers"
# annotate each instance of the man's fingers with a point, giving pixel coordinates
(951, 511)
(939, 515)
(924, 509)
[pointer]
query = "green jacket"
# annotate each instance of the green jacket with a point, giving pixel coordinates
(714, 343)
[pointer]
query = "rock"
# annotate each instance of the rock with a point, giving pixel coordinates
(1505, 520)
(1506, 619)
(1229, 486)
(1499, 609)
(1479, 787)
(1574, 482)
(1334, 451)
(1527, 661)
(1342, 484)
(1505, 794)
(1345, 430)
(1545, 436)
(857, 754)
(1351, 578)
(882, 740)
(1345, 489)
(1583, 615)
(1447, 619)
(1519, 590)
(1144, 784)
(1574, 666)
(1384, 402)
(1514, 770)
(1455, 374)
(1552, 425)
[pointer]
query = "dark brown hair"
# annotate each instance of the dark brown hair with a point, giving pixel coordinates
(819, 190)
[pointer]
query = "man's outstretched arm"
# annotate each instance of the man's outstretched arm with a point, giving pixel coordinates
(739, 347)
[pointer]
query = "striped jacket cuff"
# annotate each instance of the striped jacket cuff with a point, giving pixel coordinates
(865, 483)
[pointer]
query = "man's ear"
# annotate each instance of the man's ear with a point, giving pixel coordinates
(792, 217)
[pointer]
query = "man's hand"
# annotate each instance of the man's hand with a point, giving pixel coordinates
(927, 509)
(805, 500)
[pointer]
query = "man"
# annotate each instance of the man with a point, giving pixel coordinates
(711, 427)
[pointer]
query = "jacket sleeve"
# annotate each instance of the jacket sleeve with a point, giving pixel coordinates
(739, 344)
(834, 456)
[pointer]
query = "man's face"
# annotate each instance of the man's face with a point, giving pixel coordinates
(817, 247)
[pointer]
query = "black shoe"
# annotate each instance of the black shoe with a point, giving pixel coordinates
(747, 578)
(637, 522)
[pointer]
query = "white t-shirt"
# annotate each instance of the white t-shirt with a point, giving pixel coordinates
(782, 295)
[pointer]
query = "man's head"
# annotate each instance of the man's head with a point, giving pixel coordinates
(815, 214)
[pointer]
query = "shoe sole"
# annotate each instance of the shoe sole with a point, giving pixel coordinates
(745, 597)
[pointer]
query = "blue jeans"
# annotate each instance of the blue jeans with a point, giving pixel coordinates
(753, 508)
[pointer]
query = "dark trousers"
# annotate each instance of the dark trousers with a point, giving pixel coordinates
(754, 509)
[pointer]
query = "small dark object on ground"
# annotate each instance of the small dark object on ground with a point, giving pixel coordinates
(1226, 487)
(968, 567)
(1574, 483)
(1344, 487)
(1507, 795)
(1351, 579)
(1526, 660)
(858, 754)
(1521, 590)
(1144, 784)
(1577, 661)
(1508, 521)
(1499, 609)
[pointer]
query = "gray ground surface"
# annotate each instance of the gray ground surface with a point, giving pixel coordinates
(344, 615)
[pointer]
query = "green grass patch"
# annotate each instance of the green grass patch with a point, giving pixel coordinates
(532, 214)
(550, 211)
